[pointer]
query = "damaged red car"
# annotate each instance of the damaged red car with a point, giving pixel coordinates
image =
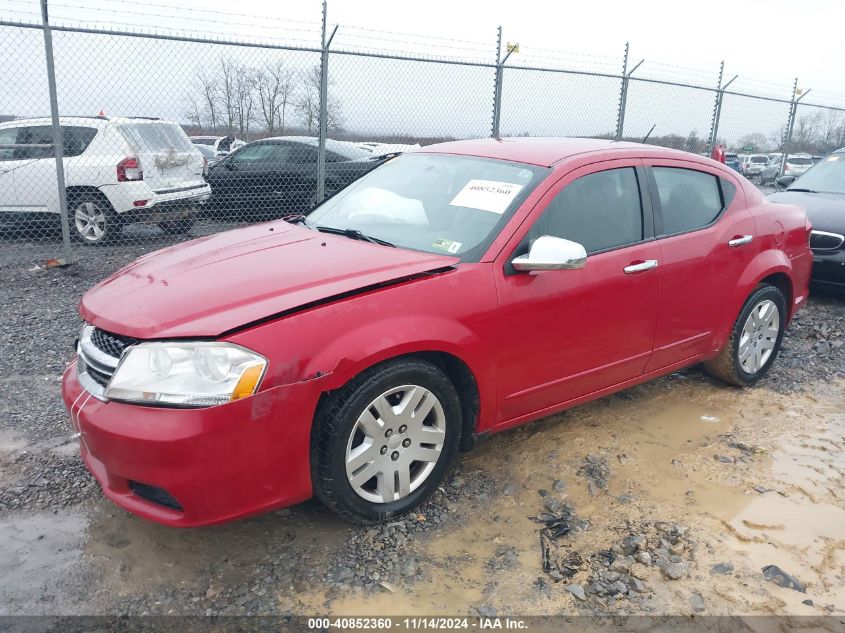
(451, 293)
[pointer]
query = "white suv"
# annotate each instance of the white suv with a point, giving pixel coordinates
(117, 170)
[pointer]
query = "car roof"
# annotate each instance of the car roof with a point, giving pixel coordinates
(548, 151)
(89, 121)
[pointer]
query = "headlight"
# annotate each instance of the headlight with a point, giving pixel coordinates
(186, 374)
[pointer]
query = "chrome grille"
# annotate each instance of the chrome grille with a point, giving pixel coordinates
(97, 356)
(824, 241)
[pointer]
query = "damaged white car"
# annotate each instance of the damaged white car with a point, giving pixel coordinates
(117, 171)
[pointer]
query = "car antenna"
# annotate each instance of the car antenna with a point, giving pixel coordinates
(645, 138)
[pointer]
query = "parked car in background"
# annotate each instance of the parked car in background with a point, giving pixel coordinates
(207, 151)
(278, 176)
(795, 166)
(753, 165)
(385, 149)
(117, 171)
(222, 145)
(732, 161)
(817, 159)
(821, 191)
(454, 292)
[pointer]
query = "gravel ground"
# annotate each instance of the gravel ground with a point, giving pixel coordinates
(304, 551)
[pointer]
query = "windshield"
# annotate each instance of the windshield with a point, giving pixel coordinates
(799, 160)
(827, 176)
(433, 202)
(759, 159)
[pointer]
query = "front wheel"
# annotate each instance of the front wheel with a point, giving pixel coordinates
(383, 443)
(755, 339)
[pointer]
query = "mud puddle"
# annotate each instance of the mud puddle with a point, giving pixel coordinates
(756, 476)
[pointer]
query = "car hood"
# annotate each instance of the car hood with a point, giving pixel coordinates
(825, 210)
(219, 283)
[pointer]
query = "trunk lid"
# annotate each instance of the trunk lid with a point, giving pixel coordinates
(167, 157)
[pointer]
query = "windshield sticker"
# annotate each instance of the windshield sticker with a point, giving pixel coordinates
(487, 195)
(832, 158)
(447, 245)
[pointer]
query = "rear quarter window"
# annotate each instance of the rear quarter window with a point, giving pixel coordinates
(76, 139)
(689, 199)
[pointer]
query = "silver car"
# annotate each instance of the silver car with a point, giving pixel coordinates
(753, 165)
(795, 166)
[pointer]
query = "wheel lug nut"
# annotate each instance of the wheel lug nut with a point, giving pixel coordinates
(383, 450)
(394, 456)
(406, 442)
(388, 432)
(403, 428)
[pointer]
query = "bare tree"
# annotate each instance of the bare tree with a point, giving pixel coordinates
(244, 99)
(227, 84)
(831, 126)
(805, 133)
(756, 140)
(275, 85)
(307, 104)
(208, 89)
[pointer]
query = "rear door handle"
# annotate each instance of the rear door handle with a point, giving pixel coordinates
(640, 266)
(741, 240)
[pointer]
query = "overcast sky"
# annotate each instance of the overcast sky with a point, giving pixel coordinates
(766, 42)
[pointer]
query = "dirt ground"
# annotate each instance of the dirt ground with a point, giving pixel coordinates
(670, 498)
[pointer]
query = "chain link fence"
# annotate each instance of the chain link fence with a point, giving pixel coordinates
(167, 136)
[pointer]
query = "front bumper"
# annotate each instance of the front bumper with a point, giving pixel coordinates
(218, 463)
(829, 270)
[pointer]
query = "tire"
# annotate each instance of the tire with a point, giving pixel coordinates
(350, 428)
(92, 219)
(178, 227)
(733, 365)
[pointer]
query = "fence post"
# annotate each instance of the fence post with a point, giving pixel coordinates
(717, 108)
(324, 107)
(620, 113)
(623, 94)
(793, 109)
(58, 145)
(497, 81)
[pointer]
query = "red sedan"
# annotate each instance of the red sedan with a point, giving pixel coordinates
(451, 293)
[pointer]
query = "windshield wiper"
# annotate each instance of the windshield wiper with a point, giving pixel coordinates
(802, 190)
(354, 234)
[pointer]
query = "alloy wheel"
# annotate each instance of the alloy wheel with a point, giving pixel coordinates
(90, 221)
(759, 336)
(395, 444)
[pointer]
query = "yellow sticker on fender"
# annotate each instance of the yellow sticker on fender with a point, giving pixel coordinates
(486, 195)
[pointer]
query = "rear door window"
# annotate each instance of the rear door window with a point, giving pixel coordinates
(34, 135)
(689, 199)
(600, 211)
(8, 136)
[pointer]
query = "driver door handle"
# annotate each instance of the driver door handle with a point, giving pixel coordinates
(640, 266)
(740, 240)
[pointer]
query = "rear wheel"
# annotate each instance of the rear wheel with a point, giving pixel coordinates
(383, 443)
(92, 219)
(755, 339)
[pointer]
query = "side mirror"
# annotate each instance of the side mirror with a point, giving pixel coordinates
(784, 181)
(552, 253)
